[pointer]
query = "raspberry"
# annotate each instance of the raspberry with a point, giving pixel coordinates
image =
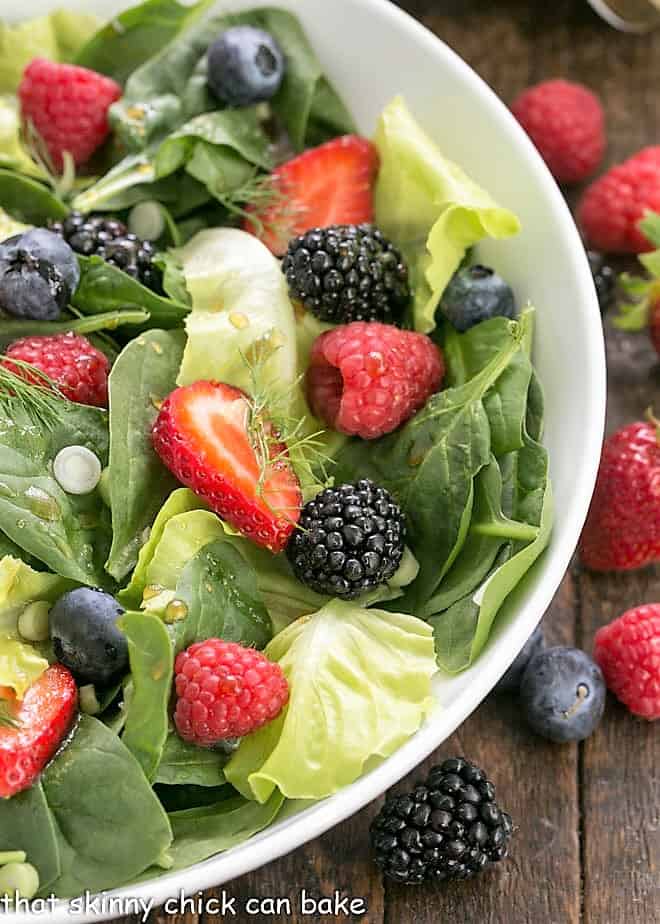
(611, 208)
(68, 107)
(628, 652)
(622, 531)
(77, 368)
(225, 691)
(367, 378)
(566, 123)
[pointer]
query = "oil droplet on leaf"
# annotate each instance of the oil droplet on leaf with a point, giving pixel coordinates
(151, 591)
(175, 612)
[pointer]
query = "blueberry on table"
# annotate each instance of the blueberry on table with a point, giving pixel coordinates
(38, 274)
(85, 636)
(475, 294)
(245, 66)
(563, 694)
(510, 682)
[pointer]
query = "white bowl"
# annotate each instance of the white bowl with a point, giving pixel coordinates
(371, 50)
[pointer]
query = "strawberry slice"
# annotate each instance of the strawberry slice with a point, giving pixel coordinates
(203, 435)
(328, 185)
(32, 729)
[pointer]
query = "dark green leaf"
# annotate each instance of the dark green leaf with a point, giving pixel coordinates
(182, 798)
(142, 377)
(174, 281)
(27, 200)
(26, 823)
(185, 764)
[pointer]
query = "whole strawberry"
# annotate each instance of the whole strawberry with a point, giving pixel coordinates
(566, 123)
(628, 652)
(367, 378)
(68, 108)
(78, 369)
(622, 531)
(612, 208)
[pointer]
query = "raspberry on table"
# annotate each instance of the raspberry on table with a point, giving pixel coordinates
(366, 378)
(75, 366)
(628, 652)
(68, 107)
(565, 121)
(225, 690)
(611, 208)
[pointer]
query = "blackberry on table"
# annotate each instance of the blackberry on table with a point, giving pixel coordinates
(448, 827)
(347, 273)
(111, 240)
(349, 540)
(604, 279)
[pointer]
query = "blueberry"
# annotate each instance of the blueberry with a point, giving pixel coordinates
(245, 66)
(38, 274)
(510, 682)
(85, 637)
(563, 694)
(476, 294)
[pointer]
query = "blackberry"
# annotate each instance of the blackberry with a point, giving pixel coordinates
(448, 827)
(604, 279)
(111, 240)
(347, 273)
(349, 540)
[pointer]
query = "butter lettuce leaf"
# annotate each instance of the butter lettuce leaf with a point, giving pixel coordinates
(20, 665)
(430, 208)
(360, 679)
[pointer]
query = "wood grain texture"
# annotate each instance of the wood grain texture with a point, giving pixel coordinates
(587, 848)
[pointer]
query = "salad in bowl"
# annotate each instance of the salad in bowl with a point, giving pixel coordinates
(270, 438)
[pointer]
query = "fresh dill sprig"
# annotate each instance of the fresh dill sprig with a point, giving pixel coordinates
(258, 191)
(33, 390)
(277, 436)
(7, 720)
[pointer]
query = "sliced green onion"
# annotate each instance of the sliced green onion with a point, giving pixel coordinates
(89, 703)
(20, 879)
(77, 469)
(33, 621)
(146, 219)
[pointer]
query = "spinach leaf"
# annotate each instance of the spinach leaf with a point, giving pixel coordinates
(185, 764)
(136, 34)
(26, 823)
(69, 533)
(463, 629)
(13, 328)
(141, 378)
(27, 200)
(104, 287)
(182, 798)
(152, 667)
(200, 833)
(174, 280)
(110, 825)
(220, 591)
(328, 116)
(430, 463)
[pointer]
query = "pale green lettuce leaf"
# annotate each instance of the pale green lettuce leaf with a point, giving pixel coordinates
(57, 36)
(12, 152)
(360, 682)
(20, 665)
(430, 208)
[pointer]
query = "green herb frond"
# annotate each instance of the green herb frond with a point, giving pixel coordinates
(258, 191)
(33, 391)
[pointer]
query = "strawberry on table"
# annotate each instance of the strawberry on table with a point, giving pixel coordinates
(628, 652)
(328, 185)
(68, 107)
(622, 531)
(205, 435)
(32, 729)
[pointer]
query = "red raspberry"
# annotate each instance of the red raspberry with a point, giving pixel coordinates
(566, 123)
(628, 652)
(77, 368)
(225, 691)
(611, 208)
(367, 378)
(622, 531)
(68, 107)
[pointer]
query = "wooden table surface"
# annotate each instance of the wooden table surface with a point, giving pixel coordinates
(588, 845)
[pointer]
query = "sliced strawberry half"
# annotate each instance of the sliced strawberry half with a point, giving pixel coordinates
(329, 185)
(202, 434)
(32, 729)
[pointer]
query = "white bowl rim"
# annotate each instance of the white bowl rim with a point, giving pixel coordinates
(319, 818)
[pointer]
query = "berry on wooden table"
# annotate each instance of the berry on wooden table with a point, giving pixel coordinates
(628, 652)
(366, 379)
(449, 826)
(79, 370)
(565, 120)
(68, 107)
(347, 273)
(225, 690)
